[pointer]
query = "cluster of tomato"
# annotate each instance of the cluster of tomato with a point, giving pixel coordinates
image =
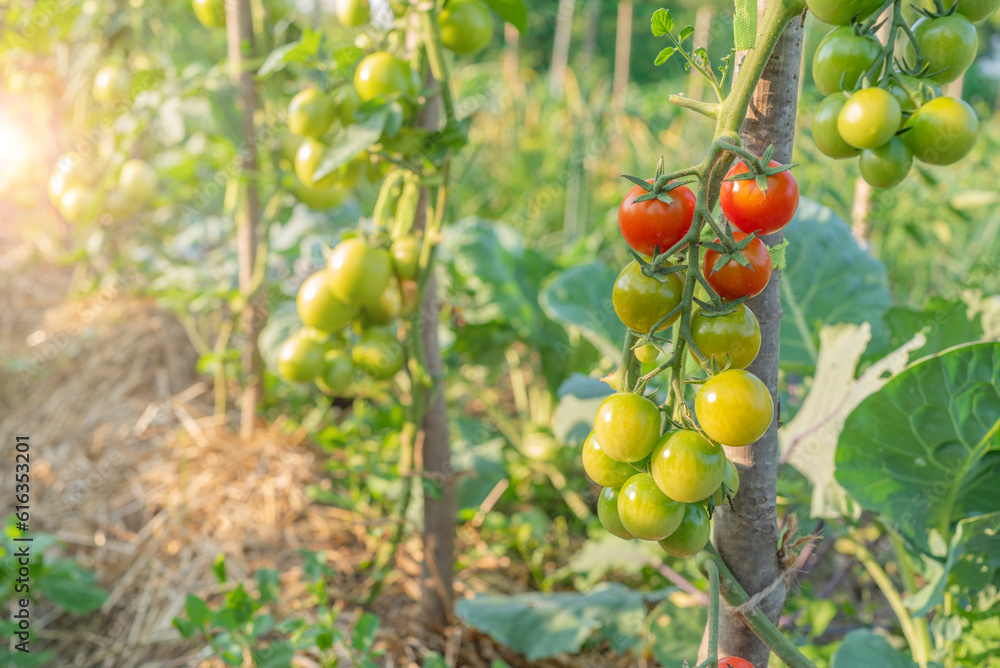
(902, 115)
(663, 486)
(84, 186)
(349, 311)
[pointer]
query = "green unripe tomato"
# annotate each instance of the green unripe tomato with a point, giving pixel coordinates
(308, 159)
(686, 466)
(732, 338)
(734, 408)
(336, 377)
(383, 75)
(138, 180)
(886, 166)
(732, 482)
(841, 12)
(112, 83)
(210, 13)
(842, 58)
(316, 198)
(949, 45)
(466, 26)
(607, 512)
(318, 307)
(645, 511)
(405, 253)
(627, 426)
(640, 301)
(311, 113)
(357, 274)
(76, 203)
(347, 102)
(603, 470)
(976, 11)
(942, 132)
(870, 118)
(647, 354)
(824, 129)
(386, 310)
(302, 357)
(353, 13)
(119, 204)
(691, 536)
(379, 354)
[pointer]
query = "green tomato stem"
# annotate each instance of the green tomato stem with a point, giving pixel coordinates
(436, 59)
(758, 622)
(710, 109)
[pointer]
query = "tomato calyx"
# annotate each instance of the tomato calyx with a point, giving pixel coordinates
(730, 249)
(939, 10)
(759, 170)
(659, 189)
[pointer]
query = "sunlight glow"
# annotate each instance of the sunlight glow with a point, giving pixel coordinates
(16, 149)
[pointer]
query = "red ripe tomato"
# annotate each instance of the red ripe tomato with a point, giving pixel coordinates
(734, 280)
(751, 210)
(653, 223)
(734, 662)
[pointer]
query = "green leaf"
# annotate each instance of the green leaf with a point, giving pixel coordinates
(664, 55)
(298, 51)
(196, 609)
(71, 587)
(972, 564)
(365, 631)
(945, 323)
(183, 626)
(434, 660)
(268, 584)
(579, 398)
(580, 297)
(828, 280)
(219, 568)
(484, 463)
(661, 23)
(511, 11)
(677, 633)
(866, 649)
(686, 32)
(278, 655)
(925, 450)
(352, 141)
(262, 625)
(544, 625)
(607, 554)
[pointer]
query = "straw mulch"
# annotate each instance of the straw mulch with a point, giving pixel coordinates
(143, 484)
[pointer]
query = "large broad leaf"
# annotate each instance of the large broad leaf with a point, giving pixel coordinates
(543, 625)
(866, 649)
(945, 323)
(600, 556)
(677, 633)
(973, 562)
(579, 398)
(512, 11)
(924, 451)
(809, 441)
(580, 297)
(828, 279)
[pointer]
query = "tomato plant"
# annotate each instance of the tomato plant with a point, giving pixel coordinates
(948, 43)
(842, 58)
(302, 357)
(406, 257)
(112, 84)
(691, 536)
(752, 209)
(357, 274)
(942, 131)
(378, 354)
(607, 512)
(732, 280)
(887, 165)
(353, 13)
(383, 75)
(311, 113)
(211, 13)
(602, 469)
(654, 223)
(869, 118)
(318, 308)
(842, 12)
(734, 662)
(627, 426)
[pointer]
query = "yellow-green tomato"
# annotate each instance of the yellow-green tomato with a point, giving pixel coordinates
(887, 165)
(734, 407)
(316, 198)
(732, 338)
(302, 357)
(686, 466)
(119, 204)
(308, 159)
(627, 426)
(602, 469)
(869, 118)
(405, 253)
(112, 83)
(640, 301)
(353, 13)
(311, 113)
(647, 353)
(841, 12)
(318, 307)
(357, 274)
(379, 354)
(386, 310)
(731, 480)
(382, 74)
(691, 536)
(74, 170)
(949, 45)
(645, 511)
(138, 180)
(466, 26)
(824, 129)
(210, 13)
(76, 203)
(607, 512)
(336, 377)
(942, 131)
